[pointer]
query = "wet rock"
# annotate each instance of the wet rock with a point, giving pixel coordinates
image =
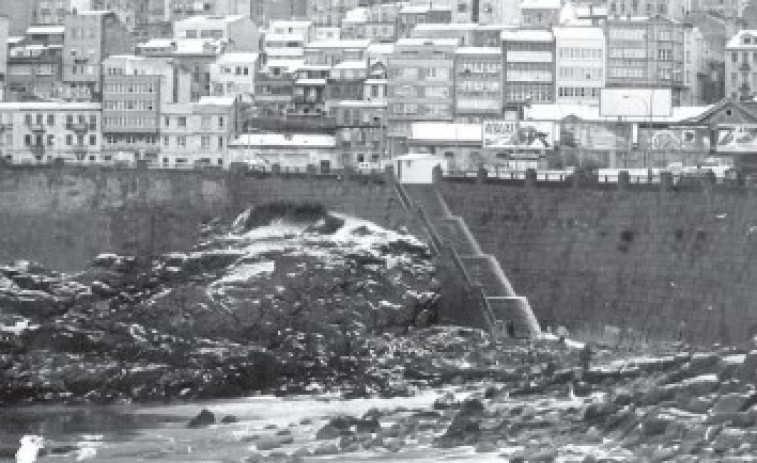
(229, 419)
(268, 443)
(486, 447)
(328, 432)
(203, 419)
(326, 449)
(367, 426)
(464, 430)
(658, 394)
(472, 407)
(655, 425)
(598, 412)
(733, 402)
(445, 402)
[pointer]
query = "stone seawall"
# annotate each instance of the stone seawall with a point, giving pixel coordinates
(63, 216)
(662, 263)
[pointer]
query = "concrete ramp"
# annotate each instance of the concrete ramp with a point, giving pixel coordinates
(481, 273)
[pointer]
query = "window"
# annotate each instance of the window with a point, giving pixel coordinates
(220, 142)
(50, 140)
(27, 140)
(167, 121)
(165, 142)
(182, 121)
(220, 122)
(181, 141)
(69, 140)
(205, 142)
(50, 119)
(92, 140)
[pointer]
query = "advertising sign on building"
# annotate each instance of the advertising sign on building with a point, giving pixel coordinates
(518, 134)
(595, 136)
(675, 139)
(737, 139)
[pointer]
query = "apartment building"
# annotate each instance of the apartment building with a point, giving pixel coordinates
(237, 31)
(729, 9)
(274, 85)
(412, 15)
(328, 12)
(360, 131)
(4, 28)
(529, 69)
(504, 12)
(49, 12)
(645, 52)
(19, 14)
(134, 89)
(741, 65)
(264, 12)
(478, 83)
(233, 75)
(580, 62)
(346, 81)
(91, 36)
(420, 85)
(197, 133)
(309, 93)
(32, 132)
(35, 63)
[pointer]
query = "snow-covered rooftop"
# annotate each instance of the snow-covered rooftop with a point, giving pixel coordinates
(356, 43)
(420, 28)
(442, 131)
(273, 37)
(238, 58)
(156, 43)
(290, 64)
(276, 139)
(49, 106)
(45, 30)
(556, 112)
(478, 51)
(418, 42)
(588, 33)
(306, 81)
(195, 20)
(541, 4)
(351, 65)
(217, 100)
(528, 35)
(361, 104)
(743, 39)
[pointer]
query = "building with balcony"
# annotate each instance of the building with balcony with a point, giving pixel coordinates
(35, 64)
(580, 62)
(506, 12)
(346, 81)
(420, 85)
(134, 90)
(265, 12)
(233, 75)
(478, 83)
(374, 88)
(49, 12)
(328, 13)
(91, 36)
(360, 131)
(741, 66)
(34, 132)
(671, 9)
(197, 133)
(529, 69)
(238, 31)
(309, 92)
(645, 52)
(540, 14)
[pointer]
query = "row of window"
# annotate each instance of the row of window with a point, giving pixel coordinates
(478, 67)
(580, 73)
(580, 53)
(129, 105)
(49, 119)
(469, 86)
(409, 91)
(205, 142)
(130, 87)
(205, 121)
(204, 34)
(123, 121)
(49, 140)
(413, 73)
(429, 109)
(582, 92)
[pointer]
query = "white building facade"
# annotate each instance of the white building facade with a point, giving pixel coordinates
(580, 62)
(233, 75)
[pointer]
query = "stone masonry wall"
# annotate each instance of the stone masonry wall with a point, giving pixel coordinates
(662, 264)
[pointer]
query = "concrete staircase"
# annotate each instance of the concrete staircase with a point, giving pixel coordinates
(481, 272)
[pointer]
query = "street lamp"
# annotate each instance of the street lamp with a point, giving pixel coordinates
(648, 108)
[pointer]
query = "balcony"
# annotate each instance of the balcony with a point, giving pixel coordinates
(5, 127)
(745, 88)
(745, 67)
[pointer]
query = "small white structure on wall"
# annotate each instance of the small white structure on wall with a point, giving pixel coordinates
(417, 168)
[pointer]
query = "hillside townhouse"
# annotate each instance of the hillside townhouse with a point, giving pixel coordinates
(346, 81)
(274, 85)
(32, 132)
(265, 12)
(478, 83)
(461, 11)
(741, 65)
(420, 86)
(309, 92)
(233, 75)
(134, 90)
(287, 39)
(671, 9)
(49, 12)
(504, 12)
(328, 12)
(645, 52)
(580, 62)
(529, 69)
(198, 133)
(91, 36)
(239, 32)
(412, 15)
(360, 131)
(35, 64)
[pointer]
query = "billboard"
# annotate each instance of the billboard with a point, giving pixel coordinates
(675, 139)
(737, 139)
(595, 136)
(636, 102)
(518, 134)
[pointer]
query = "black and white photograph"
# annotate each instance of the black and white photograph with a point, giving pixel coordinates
(378, 231)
